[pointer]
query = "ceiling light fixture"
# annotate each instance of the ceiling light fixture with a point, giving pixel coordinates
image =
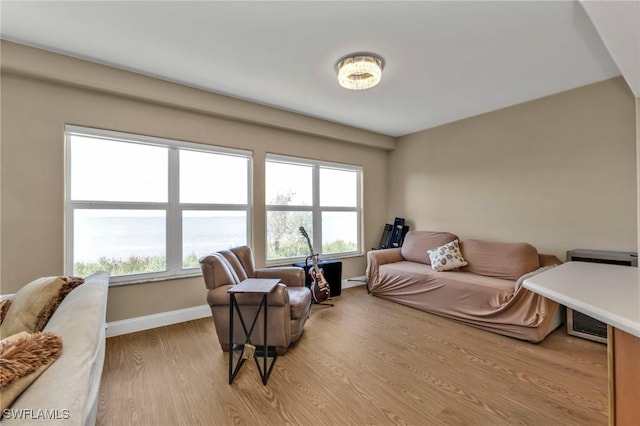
(358, 72)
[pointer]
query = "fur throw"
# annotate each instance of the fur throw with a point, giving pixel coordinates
(26, 354)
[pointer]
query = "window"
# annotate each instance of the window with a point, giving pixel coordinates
(147, 208)
(322, 197)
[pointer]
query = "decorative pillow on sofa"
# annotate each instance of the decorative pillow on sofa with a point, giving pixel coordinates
(23, 357)
(417, 243)
(4, 307)
(33, 304)
(446, 257)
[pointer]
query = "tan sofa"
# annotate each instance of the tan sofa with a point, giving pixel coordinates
(487, 293)
(289, 304)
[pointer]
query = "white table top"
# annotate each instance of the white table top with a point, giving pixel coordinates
(609, 293)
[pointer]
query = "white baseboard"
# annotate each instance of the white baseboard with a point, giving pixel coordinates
(131, 325)
(147, 322)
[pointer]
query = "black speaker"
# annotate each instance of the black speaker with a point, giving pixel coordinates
(332, 271)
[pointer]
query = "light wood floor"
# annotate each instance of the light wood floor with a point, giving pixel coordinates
(366, 361)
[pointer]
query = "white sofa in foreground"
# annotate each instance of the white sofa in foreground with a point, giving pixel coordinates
(66, 393)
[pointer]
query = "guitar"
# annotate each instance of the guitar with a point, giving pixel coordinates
(319, 285)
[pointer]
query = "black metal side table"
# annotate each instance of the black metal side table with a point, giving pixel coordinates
(257, 286)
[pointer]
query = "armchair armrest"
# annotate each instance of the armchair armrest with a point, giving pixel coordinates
(292, 276)
(220, 297)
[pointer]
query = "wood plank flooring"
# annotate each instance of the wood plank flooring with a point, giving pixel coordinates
(365, 361)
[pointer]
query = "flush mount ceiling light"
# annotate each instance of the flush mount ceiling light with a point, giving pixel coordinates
(358, 72)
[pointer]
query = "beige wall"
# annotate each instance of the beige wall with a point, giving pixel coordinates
(638, 163)
(558, 172)
(34, 113)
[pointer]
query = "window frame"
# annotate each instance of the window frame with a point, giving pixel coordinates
(316, 209)
(173, 207)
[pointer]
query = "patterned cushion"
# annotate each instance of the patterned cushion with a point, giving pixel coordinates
(33, 304)
(446, 257)
(4, 307)
(417, 243)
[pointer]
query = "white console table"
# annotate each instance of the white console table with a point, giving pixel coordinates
(611, 294)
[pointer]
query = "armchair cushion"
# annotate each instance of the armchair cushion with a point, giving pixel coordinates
(245, 256)
(236, 267)
(300, 301)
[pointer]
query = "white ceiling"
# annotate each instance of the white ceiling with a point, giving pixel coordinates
(618, 23)
(444, 60)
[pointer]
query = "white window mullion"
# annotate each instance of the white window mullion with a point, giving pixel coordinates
(359, 210)
(174, 214)
(317, 212)
(69, 251)
(290, 208)
(247, 207)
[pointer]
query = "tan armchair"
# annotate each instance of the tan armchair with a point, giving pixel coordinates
(289, 304)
